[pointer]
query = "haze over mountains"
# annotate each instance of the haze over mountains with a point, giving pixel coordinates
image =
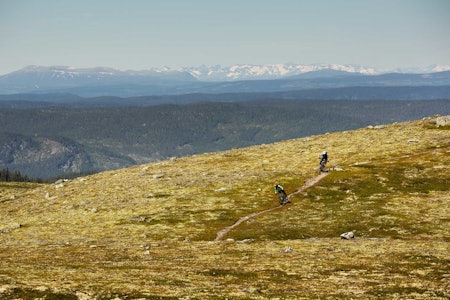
(215, 79)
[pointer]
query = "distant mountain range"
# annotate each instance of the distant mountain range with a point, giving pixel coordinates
(91, 82)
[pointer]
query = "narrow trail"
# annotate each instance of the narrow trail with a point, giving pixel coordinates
(308, 183)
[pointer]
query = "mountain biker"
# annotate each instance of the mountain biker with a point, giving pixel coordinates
(323, 160)
(278, 189)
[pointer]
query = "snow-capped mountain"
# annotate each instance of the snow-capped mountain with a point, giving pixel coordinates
(202, 73)
(206, 73)
(270, 71)
(209, 79)
(65, 73)
(40, 79)
(277, 71)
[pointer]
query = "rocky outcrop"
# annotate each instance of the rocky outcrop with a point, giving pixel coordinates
(443, 121)
(348, 235)
(43, 156)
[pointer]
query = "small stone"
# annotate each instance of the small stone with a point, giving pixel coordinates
(252, 290)
(140, 219)
(443, 121)
(288, 250)
(348, 235)
(246, 241)
(59, 185)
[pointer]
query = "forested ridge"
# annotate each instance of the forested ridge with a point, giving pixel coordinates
(53, 141)
(16, 176)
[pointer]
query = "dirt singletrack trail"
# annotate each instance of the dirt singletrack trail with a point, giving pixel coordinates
(307, 184)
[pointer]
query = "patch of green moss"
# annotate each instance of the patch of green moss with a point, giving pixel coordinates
(30, 294)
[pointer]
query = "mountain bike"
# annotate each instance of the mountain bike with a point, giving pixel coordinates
(323, 162)
(282, 197)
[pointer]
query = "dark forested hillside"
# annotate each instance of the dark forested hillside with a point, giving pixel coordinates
(25, 101)
(47, 142)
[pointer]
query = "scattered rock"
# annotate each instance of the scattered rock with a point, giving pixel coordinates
(187, 240)
(246, 241)
(140, 219)
(413, 141)
(48, 197)
(338, 169)
(59, 185)
(348, 235)
(94, 210)
(443, 121)
(157, 176)
(222, 189)
(288, 250)
(61, 181)
(147, 252)
(252, 290)
(10, 228)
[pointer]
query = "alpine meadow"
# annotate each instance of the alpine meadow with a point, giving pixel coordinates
(151, 231)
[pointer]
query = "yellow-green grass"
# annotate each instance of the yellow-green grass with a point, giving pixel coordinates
(148, 231)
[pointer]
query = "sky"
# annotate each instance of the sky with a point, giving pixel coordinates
(143, 34)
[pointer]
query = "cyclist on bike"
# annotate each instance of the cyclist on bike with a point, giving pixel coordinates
(323, 160)
(278, 189)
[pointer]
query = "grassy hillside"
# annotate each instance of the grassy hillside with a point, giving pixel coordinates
(51, 142)
(148, 232)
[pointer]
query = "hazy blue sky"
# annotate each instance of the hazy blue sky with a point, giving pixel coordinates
(140, 34)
